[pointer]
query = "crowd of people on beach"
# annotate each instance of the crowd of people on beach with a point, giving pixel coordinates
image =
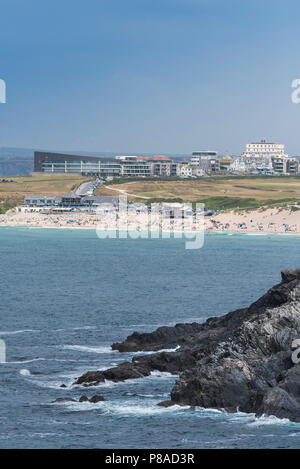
(267, 221)
(252, 226)
(105, 220)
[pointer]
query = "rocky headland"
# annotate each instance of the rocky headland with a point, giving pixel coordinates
(241, 361)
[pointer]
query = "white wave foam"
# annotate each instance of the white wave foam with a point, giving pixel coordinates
(269, 420)
(84, 328)
(54, 381)
(25, 361)
(272, 234)
(25, 372)
(127, 409)
(123, 409)
(64, 360)
(157, 351)
(257, 234)
(108, 384)
(52, 384)
(162, 374)
(80, 406)
(22, 331)
(151, 408)
(89, 349)
(248, 418)
(208, 410)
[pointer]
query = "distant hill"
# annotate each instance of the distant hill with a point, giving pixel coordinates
(15, 167)
(15, 161)
(19, 161)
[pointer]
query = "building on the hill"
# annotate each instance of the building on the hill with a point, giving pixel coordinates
(207, 160)
(68, 202)
(132, 166)
(63, 163)
(201, 155)
(283, 165)
(264, 149)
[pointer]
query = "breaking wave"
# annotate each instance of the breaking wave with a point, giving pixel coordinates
(89, 349)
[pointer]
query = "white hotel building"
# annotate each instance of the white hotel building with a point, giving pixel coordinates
(264, 149)
(265, 158)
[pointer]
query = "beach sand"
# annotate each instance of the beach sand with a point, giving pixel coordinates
(271, 220)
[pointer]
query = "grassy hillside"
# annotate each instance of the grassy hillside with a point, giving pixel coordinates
(216, 193)
(12, 194)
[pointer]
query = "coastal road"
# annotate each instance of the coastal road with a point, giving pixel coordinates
(87, 188)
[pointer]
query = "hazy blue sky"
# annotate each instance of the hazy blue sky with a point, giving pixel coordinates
(149, 75)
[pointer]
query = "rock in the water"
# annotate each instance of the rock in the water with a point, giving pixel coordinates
(139, 367)
(96, 398)
(240, 361)
(63, 386)
(83, 399)
(61, 400)
(165, 403)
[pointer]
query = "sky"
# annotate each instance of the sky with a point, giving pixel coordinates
(157, 76)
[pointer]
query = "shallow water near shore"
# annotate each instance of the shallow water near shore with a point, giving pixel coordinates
(66, 296)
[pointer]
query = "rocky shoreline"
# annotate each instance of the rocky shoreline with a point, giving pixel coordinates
(241, 361)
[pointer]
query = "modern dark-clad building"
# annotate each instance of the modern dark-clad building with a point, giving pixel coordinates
(41, 200)
(70, 200)
(46, 162)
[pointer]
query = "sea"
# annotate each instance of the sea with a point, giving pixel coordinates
(67, 295)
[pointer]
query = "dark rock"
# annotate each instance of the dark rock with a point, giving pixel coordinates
(163, 338)
(289, 275)
(171, 362)
(165, 403)
(63, 386)
(120, 373)
(279, 403)
(239, 361)
(290, 381)
(83, 399)
(61, 400)
(96, 398)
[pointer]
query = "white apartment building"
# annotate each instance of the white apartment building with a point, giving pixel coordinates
(264, 149)
(273, 165)
(184, 170)
(197, 172)
(285, 165)
(187, 170)
(131, 166)
(238, 165)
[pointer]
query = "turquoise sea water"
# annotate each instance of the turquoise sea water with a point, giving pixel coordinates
(66, 296)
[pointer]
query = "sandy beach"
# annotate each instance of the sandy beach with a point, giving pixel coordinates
(101, 221)
(271, 220)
